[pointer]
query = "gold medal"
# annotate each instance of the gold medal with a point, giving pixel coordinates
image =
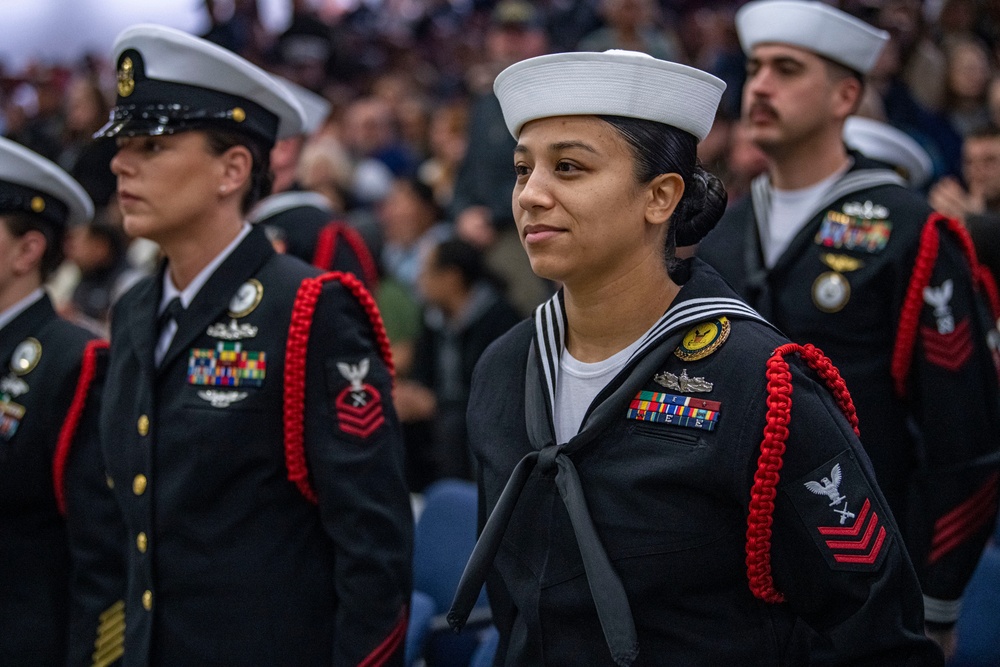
(26, 356)
(247, 298)
(704, 339)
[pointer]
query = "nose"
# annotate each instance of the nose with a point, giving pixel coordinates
(120, 163)
(534, 193)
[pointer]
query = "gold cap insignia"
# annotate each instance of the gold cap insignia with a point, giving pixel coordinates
(126, 77)
(238, 114)
(37, 204)
(703, 339)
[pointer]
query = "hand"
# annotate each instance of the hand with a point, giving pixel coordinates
(944, 638)
(475, 225)
(413, 401)
(950, 198)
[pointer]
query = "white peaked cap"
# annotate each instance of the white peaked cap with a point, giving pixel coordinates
(316, 107)
(813, 26)
(883, 142)
(170, 81)
(31, 183)
(612, 83)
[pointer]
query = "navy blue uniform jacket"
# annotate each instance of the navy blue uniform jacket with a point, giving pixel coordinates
(228, 563)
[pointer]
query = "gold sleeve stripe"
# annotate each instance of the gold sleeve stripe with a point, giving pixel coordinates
(106, 660)
(110, 641)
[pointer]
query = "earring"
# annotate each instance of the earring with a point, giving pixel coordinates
(222, 189)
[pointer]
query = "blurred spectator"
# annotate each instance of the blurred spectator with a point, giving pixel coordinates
(98, 250)
(993, 101)
(371, 137)
(465, 313)
(411, 225)
(969, 75)
(979, 205)
(923, 67)
(88, 161)
(287, 152)
(447, 142)
(632, 25)
(35, 117)
(481, 207)
(325, 167)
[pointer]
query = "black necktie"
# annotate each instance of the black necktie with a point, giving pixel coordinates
(173, 311)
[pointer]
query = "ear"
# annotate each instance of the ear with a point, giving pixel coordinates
(846, 98)
(237, 163)
(663, 194)
(30, 248)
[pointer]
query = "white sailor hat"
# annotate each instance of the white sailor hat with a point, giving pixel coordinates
(290, 205)
(612, 83)
(813, 26)
(30, 183)
(316, 108)
(881, 141)
(170, 81)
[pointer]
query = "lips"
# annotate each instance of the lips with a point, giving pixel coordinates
(539, 233)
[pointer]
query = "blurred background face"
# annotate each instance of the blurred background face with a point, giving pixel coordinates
(404, 216)
(968, 70)
(981, 166)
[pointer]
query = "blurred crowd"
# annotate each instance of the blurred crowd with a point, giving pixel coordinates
(415, 156)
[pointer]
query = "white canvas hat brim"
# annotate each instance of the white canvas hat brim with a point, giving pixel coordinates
(25, 168)
(813, 26)
(612, 83)
(883, 142)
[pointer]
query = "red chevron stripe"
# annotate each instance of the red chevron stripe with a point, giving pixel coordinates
(347, 420)
(856, 544)
(866, 559)
(391, 644)
(854, 530)
(965, 520)
(362, 432)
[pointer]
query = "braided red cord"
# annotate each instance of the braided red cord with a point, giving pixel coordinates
(909, 316)
(296, 348)
(365, 258)
(88, 367)
(982, 280)
(772, 448)
(326, 246)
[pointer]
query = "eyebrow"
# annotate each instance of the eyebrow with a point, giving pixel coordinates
(561, 146)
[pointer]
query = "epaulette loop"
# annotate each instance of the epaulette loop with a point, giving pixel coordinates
(296, 350)
(772, 449)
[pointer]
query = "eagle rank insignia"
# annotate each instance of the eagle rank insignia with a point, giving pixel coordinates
(359, 405)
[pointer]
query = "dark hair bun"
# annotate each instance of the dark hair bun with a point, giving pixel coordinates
(700, 209)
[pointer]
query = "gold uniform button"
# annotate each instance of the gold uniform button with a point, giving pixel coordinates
(141, 542)
(139, 484)
(110, 482)
(147, 600)
(143, 425)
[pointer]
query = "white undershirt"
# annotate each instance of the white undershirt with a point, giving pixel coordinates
(189, 292)
(578, 385)
(790, 211)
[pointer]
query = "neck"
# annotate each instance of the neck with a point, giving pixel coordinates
(187, 256)
(607, 317)
(18, 289)
(807, 163)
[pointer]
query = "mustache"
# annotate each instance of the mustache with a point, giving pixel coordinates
(762, 107)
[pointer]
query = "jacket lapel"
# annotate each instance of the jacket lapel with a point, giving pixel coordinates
(212, 300)
(25, 324)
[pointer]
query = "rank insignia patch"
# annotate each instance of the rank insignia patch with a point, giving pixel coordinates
(661, 408)
(842, 514)
(228, 365)
(359, 405)
(851, 232)
(704, 339)
(948, 350)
